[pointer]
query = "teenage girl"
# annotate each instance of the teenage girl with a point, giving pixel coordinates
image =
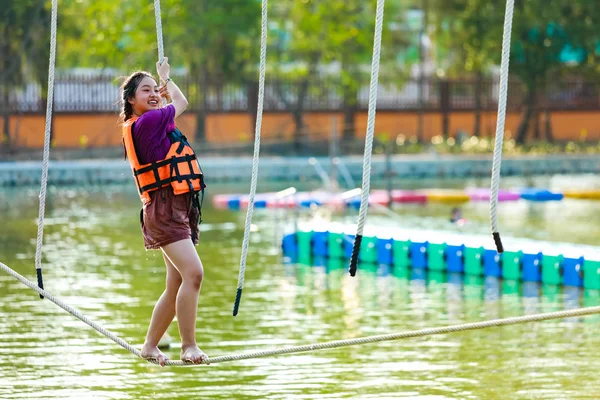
(169, 217)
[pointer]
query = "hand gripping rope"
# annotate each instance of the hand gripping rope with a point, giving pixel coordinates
(508, 17)
(366, 178)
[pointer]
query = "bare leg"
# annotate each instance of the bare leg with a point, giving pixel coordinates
(183, 256)
(163, 314)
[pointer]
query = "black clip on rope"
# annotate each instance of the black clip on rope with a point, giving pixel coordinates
(498, 242)
(236, 305)
(355, 251)
(40, 280)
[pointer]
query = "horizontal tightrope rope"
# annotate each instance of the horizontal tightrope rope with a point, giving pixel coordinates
(578, 312)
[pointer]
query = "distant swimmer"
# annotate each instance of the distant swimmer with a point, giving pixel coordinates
(456, 217)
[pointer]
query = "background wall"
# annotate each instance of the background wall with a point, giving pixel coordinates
(102, 130)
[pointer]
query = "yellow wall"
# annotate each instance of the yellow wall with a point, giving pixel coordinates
(102, 130)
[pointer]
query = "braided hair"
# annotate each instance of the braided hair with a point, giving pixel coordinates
(128, 88)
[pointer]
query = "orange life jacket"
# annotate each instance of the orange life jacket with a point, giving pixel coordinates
(179, 168)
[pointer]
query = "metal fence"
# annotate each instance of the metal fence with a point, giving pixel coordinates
(94, 94)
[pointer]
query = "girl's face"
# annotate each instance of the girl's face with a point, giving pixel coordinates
(146, 97)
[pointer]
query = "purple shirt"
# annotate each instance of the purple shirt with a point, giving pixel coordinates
(150, 134)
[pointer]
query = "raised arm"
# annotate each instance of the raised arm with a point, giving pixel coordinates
(178, 99)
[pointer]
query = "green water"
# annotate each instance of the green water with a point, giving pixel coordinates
(94, 260)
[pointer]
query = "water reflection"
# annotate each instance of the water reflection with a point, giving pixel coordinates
(379, 285)
(95, 261)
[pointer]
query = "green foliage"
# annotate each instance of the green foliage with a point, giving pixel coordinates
(550, 41)
(197, 34)
(475, 145)
(220, 37)
(24, 51)
(24, 41)
(471, 30)
(541, 32)
(111, 34)
(311, 33)
(332, 40)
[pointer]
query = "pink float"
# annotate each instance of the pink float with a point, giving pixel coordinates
(484, 194)
(222, 200)
(408, 196)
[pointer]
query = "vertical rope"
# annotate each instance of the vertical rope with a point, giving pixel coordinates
(159, 35)
(259, 113)
(366, 184)
(159, 38)
(48, 129)
(508, 17)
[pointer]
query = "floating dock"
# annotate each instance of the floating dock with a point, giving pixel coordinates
(473, 255)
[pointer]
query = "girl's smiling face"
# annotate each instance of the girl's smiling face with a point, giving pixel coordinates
(146, 97)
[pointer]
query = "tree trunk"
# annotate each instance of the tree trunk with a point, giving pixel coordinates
(548, 126)
(350, 100)
(4, 106)
(536, 126)
(299, 129)
(478, 88)
(445, 107)
(200, 134)
(523, 128)
(252, 100)
(5, 140)
(547, 118)
(348, 131)
(298, 114)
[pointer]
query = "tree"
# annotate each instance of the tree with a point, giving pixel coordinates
(471, 29)
(208, 38)
(541, 33)
(313, 35)
(224, 40)
(24, 46)
(544, 31)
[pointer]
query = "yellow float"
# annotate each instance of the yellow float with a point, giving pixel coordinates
(583, 194)
(446, 196)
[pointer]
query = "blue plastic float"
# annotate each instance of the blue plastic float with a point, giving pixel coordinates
(540, 195)
(514, 265)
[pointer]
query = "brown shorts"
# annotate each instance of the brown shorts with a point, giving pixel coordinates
(169, 218)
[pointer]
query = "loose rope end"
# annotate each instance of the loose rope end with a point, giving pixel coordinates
(238, 297)
(498, 242)
(40, 280)
(354, 258)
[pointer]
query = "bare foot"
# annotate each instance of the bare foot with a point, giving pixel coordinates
(153, 353)
(193, 354)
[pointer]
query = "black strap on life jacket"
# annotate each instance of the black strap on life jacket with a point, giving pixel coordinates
(178, 177)
(199, 203)
(175, 168)
(162, 163)
(177, 137)
(197, 197)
